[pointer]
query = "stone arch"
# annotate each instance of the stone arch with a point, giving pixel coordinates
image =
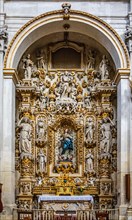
(53, 22)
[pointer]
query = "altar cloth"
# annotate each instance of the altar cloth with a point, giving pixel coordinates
(53, 198)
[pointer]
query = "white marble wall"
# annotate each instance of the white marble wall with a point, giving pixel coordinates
(8, 152)
(123, 139)
(113, 12)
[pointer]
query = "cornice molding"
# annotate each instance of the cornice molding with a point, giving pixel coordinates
(121, 74)
(11, 74)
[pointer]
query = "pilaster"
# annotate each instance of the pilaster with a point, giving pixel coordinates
(3, 41)
(123, 135)
(8, 153)
(128, 38)
(129, 212)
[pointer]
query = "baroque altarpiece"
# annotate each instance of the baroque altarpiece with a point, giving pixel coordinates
(66, 124)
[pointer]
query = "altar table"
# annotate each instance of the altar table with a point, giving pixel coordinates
(54, 198)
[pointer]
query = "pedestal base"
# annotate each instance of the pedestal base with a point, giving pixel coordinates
(8, 213)
(123, 212)
(129, 213)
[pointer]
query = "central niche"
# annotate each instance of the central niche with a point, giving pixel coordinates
(65, 148)
(67, 56)
(66, 121)
(66, 144)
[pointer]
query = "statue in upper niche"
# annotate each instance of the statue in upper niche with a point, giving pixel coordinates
(103, 68)
(90, 60)
(28, 67)
(41, 60)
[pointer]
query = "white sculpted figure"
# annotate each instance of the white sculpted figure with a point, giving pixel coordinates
(105, 135)
(89, 161)
(128, 33)
(105, 188)
(90, 60)
(89, 130)
(27, 66)
(87, 102)
(26, 188)
(41, 60)
(103, 68)
(25, 135)
(41, 161)
(41, 128)
(4, 33)
(43, 102)
(66, 84)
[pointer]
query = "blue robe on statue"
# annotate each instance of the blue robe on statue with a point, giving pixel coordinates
(67, 144)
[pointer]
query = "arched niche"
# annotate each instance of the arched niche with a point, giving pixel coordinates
(80, 49)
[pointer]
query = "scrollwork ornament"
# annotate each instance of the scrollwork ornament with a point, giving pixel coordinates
(24, 204)
(27, 167)
(105, 203)
(104, 169)
(105, 188)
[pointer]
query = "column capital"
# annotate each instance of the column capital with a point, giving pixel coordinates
(121, 74)
(11, 74)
